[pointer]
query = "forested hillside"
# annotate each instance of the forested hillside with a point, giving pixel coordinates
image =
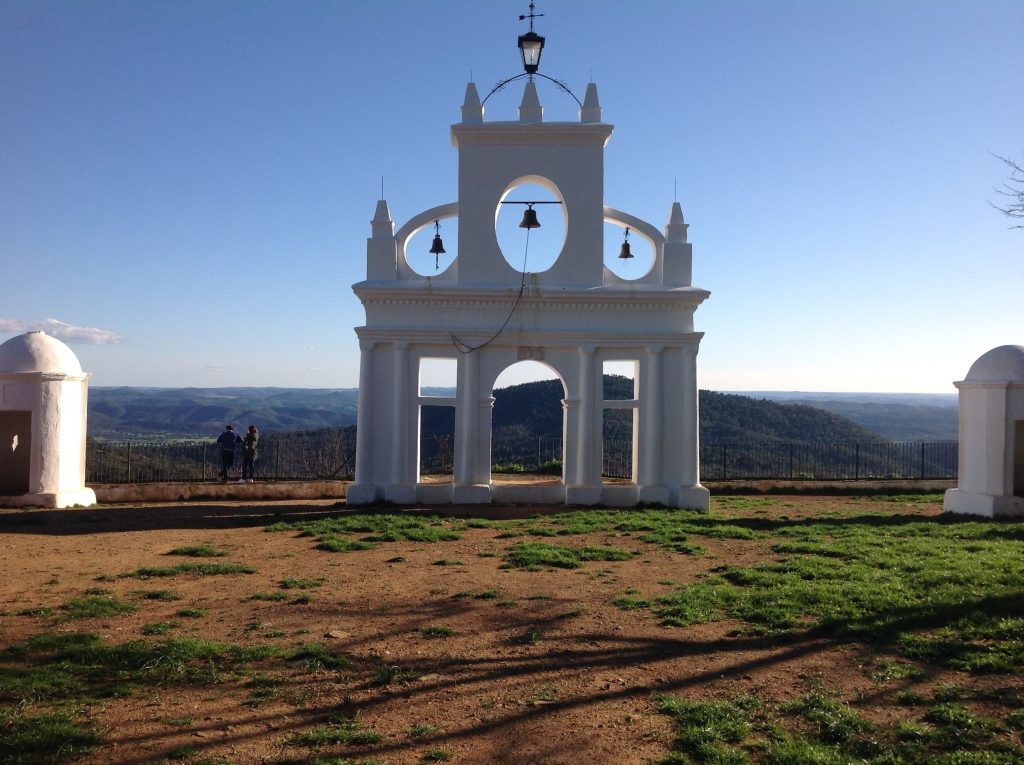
(532, 409)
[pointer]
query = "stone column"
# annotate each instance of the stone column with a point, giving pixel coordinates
(468, 488)
(402, 488)
(650, 480)
(364, 490)
(586, 488)
(691, 494)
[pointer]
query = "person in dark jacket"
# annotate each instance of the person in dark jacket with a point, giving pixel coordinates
(249, 454)
(227, 441)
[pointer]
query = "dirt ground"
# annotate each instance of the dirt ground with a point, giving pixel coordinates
(545, 671)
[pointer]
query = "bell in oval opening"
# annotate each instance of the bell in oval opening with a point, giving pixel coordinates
(529, 218)
(625, 253)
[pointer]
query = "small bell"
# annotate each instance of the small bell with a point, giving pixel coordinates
(624, 253)
(437, 247)
(529, 218)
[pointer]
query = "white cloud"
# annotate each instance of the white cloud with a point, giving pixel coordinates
(67, 333)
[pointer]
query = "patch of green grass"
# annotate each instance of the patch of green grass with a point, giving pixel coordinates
(41, 738)
(342, 544)
(95, 606)
(36, 611)
(421, 730)
(161, 595)
(631, 604)
(317, 656)
(159, 628)
(708, 731)
(385, 525)
(198, 551)
(261, 688)
(77, 665)
(505, 603)
(339, 731)
(448, 562)
(944, 590)
(836, 723)
(271, 596)
(435, 631)
(301, 584)
(533, 555)
(895, 670)
(302, 599)
(191, 612)
(487, 595)
(200, 569)
(394, 674)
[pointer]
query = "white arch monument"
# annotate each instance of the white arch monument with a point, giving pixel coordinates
(573, 317)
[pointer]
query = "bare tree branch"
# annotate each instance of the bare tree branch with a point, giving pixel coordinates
(1013, 190)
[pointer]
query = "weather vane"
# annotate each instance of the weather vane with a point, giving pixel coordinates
(531, 45)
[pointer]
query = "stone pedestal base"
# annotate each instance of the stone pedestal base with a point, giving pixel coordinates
(985, 505)
(84, 497)
(471, 494)
(400, 493)
(693, 498)
(583, 495)
(361, 494)
(654, 495)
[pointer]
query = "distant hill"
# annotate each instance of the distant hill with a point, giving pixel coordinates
(531, 409)
(535, 409)
(203, 412)
(897, 416)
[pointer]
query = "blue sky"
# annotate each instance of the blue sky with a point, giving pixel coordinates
(186, 187)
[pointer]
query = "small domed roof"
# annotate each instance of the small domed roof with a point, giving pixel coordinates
(1004, 364)
(38, 352)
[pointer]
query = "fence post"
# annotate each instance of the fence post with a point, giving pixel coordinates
(856, 468)
(129, 462)
(538, 451)
(791, 447)
(206, 449)
(277, 466)
(725, 451)
(922, 459)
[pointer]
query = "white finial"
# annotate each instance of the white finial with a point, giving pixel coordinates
(381, 225)
(530, 109)
(472, 109)
(675, 231)
(591, 110)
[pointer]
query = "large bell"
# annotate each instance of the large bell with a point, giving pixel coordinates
(529, 218)
(625, 253)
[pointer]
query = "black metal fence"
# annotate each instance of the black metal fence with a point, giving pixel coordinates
(285, 457)
(315, 456)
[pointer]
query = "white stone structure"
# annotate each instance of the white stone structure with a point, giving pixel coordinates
(43, 398)
(572, 317)
(991, 463)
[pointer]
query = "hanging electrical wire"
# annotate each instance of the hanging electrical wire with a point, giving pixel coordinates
(465, 348)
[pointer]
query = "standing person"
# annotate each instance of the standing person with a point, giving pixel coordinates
(249, 453)
(227, 441)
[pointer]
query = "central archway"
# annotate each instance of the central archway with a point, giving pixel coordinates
(528, 425)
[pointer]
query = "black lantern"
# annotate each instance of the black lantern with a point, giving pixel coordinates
(531, 44)
(625, 253)
(437, 247)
